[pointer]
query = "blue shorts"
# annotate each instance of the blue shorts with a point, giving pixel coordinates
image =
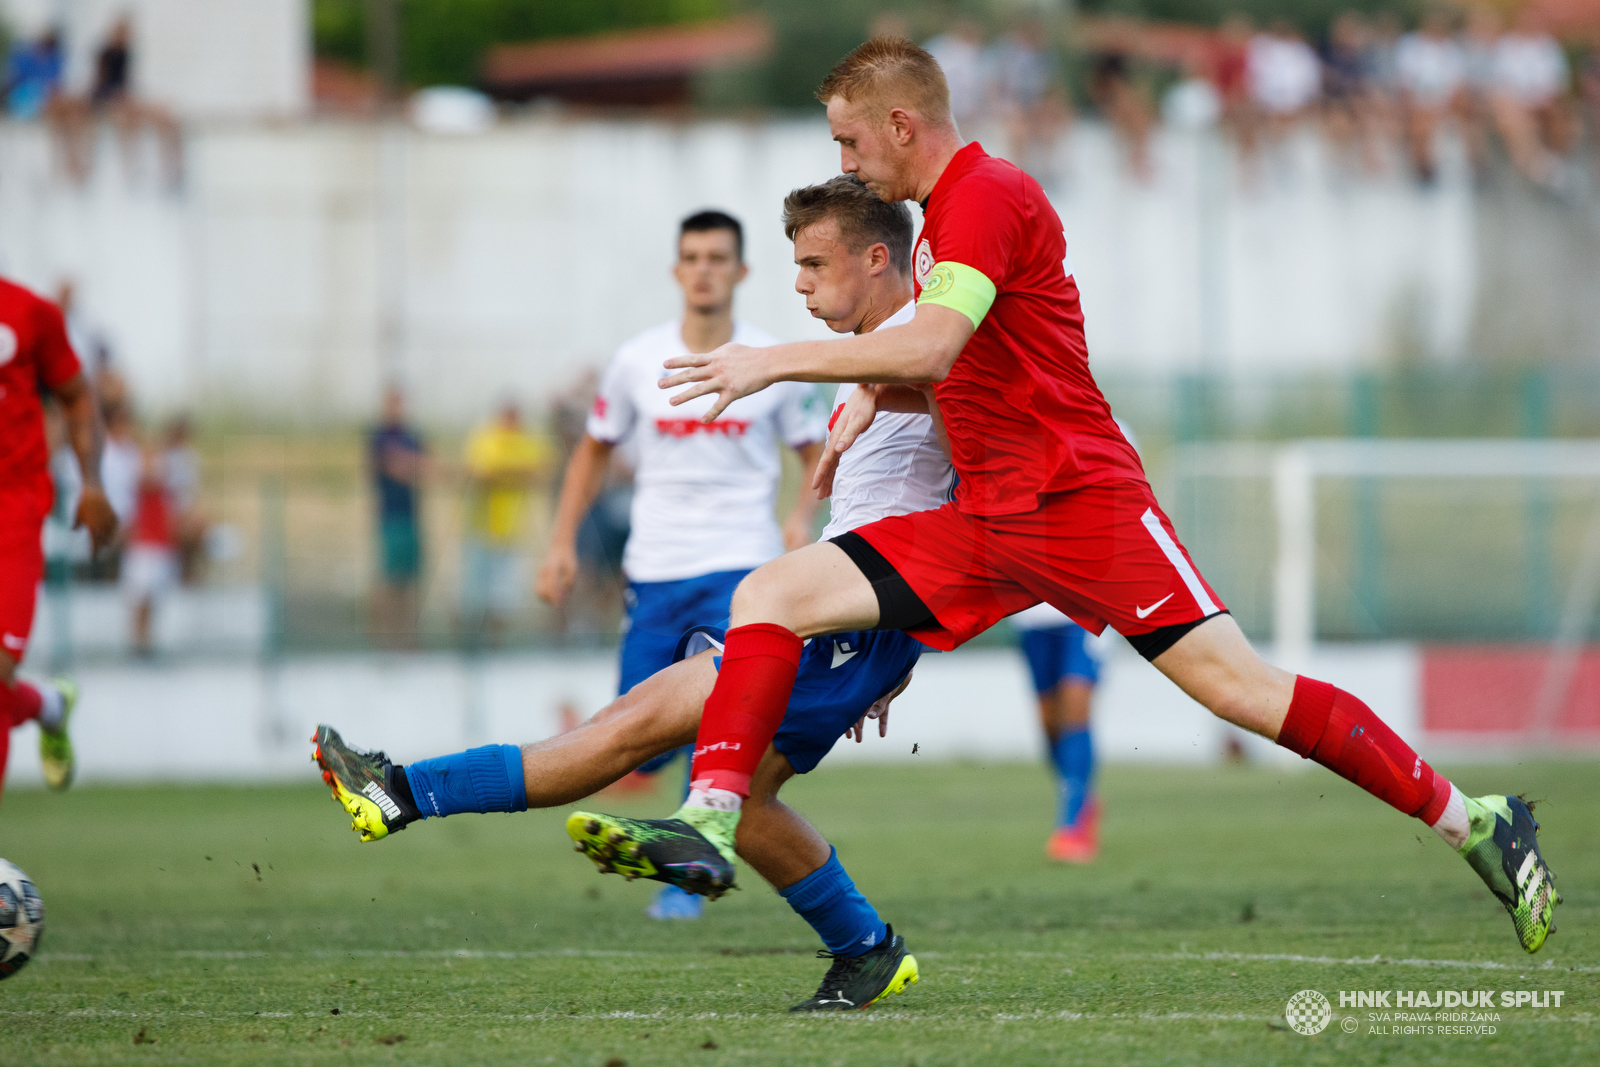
(659, 612)
(840, 677)
(1058, 654)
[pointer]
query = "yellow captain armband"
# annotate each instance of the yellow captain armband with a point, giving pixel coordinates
(959, 287)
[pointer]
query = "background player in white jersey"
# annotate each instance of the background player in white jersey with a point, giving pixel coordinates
(704, 495)
(854, 253)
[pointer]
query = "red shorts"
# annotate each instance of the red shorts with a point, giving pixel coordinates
(21, 568)
(1103, 554)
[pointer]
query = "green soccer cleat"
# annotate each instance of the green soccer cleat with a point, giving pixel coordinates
(861, 981)
(1503, 847)
(55, 747)
(674, 851)
(361, 783)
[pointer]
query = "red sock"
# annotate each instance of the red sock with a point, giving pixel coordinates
(19, 702)
(1340, 732)
(745, 706)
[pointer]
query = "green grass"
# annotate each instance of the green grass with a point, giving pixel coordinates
(483, 939)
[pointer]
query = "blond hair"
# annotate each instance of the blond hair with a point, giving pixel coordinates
(890, 72)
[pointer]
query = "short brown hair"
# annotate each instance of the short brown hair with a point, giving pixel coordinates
(864, 218)
(890, 72)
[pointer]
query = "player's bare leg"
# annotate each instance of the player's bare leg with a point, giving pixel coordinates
(1216, 665)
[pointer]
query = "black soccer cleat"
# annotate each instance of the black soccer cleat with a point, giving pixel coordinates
(363, 783)
(1503, 847)
(664, 850)
(861, 981)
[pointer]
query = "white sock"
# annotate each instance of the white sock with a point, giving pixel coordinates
(54, 707)
(1453, 826)
(715, 799)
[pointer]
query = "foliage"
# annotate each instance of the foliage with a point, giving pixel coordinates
(443, 41)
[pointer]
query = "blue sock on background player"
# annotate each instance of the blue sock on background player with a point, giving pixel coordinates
(1073, 754)
(828, 900)
(479, 779)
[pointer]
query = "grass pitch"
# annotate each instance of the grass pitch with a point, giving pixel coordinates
(220, 926)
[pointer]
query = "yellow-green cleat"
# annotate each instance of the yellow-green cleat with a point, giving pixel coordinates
(362, 783)
(690, 855)
(55, 746)
(854, 982)
(1503, 847)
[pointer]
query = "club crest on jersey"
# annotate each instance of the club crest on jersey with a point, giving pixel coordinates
(8, 344)
(924, 261)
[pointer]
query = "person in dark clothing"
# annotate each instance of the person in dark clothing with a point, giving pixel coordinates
(396, 458)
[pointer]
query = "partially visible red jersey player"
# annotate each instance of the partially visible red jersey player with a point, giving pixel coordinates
(1053, 503)
(36, 360)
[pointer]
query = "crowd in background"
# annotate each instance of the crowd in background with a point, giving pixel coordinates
(151, 478)
(35, 87)
(1380, 92)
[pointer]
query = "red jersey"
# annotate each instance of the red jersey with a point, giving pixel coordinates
(34, 356)
(1024, 414)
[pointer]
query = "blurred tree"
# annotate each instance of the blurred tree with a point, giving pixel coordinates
(442, 41)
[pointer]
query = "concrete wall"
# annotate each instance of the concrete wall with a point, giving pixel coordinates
(222, 721)
(302, 264)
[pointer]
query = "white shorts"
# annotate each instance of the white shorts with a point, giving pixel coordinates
(148, 571)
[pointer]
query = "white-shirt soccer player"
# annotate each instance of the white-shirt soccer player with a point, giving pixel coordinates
(854, 254)
(704, 496)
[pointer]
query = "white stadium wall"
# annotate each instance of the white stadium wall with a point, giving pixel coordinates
(303, 263)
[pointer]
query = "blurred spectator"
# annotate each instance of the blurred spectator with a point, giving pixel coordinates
(111, 95)
(959, 51)
(396, 458)
(598, 589)
(1024, 73)
(1348, 112)
(33, 76)
(1124, 102)
(149, 558)
(502, 462)
(1194, 101)
(1431, 69)
(1285, 77)
(121, 462)
(1528, 97)
(1478, 40)
(180, 462)
(110, 387)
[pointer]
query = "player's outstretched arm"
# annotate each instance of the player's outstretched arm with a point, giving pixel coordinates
(586, 473)
(86, 436)
(923, 350)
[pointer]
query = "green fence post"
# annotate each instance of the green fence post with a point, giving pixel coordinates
(1366, 394)
(1538, 512)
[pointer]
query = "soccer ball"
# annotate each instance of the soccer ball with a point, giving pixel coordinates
(21, 919)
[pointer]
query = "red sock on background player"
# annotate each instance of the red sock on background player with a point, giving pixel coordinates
(1337, 730)
(742, 713)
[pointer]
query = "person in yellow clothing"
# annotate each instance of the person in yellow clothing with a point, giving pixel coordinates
(503, 460)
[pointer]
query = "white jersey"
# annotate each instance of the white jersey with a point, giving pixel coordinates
(895, 468)
(703, 494)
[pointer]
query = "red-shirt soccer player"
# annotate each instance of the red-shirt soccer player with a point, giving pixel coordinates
(1053, 506)
(36, 360)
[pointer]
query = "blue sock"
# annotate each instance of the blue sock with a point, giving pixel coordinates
(828, 900)
(479, 779)
(1073, 753)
